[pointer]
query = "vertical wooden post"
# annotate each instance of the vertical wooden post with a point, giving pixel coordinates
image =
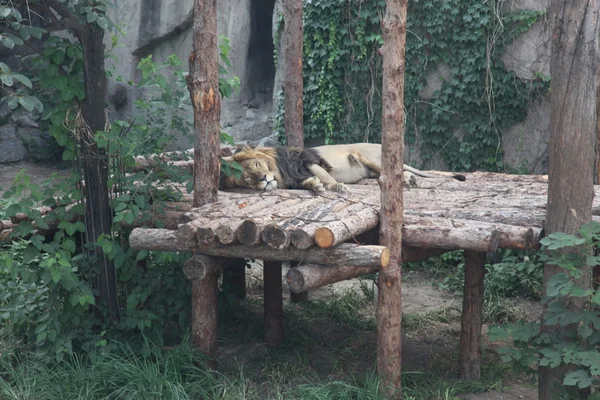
(574, 63)
(203, 85)
(234, 276)
(273, 303)
(204, 271)
(389, 307)
(292, 84)
(297, 297)
(472, 316)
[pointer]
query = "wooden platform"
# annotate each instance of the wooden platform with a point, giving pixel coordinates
(322, 232)
(486, 212)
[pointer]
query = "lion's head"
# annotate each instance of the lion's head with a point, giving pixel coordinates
(260, 171)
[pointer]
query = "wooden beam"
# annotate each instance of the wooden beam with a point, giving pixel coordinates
(273, 303)
(344, 254)
(472, 316)
(204, 271)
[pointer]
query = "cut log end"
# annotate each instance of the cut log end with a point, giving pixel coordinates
(248, 233)
(301, 240)
(324, 237)
(275, 237)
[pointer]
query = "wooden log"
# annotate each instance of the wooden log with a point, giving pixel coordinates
(273, 303)
(343, 254)
(301, 296)
(278, 235)
(472, 316)
(303, 278)
(477, 239)
(310, 276)
(204, 271)
(340, 231)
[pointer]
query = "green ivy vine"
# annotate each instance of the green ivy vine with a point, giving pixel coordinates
(461, 122)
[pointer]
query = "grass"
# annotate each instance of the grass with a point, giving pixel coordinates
(329, 352)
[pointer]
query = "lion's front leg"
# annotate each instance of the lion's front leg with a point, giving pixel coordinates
(313, 183)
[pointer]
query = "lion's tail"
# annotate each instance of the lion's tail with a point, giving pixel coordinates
(424, 174)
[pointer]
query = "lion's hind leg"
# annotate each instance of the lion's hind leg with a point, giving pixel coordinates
(358, 158)
(328, 181)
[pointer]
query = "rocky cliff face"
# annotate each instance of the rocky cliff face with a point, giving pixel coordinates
(163, 27)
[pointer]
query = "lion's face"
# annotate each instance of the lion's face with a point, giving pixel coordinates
(259, 170)
(257, 175)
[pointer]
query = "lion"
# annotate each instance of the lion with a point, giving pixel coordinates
(321, 168)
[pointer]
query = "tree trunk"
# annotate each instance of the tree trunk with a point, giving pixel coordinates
(95, 165)
(273, 303)
(389, 308)
(204, 272)
(203, 85)
(293, 86)
(574, 72)
(472, 316)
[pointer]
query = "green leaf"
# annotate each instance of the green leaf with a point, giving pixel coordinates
(91, 17)
(41, 336)
(7, 79)
(58, 57)
(102, 22)
(141, 255)
(30, 103)
(580, 378)
(56, 275)
(23, 79)
(128, 217)
(107, 247)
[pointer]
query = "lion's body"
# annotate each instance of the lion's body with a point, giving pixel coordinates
(319, 168)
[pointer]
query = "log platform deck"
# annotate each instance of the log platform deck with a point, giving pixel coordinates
(322, 234)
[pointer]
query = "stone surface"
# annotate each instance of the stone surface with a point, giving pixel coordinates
(38, 144)
(11, 146)
(162, 28)
(529, 55)
(435, 80)
(525, 145)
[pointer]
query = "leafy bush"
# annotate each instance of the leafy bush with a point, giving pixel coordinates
(577, 344)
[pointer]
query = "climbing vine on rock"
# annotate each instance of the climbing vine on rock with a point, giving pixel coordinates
(462, 121)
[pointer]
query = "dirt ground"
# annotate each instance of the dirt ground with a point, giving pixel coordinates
(419, 296)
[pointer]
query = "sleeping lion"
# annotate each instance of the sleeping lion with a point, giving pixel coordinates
(318, 169)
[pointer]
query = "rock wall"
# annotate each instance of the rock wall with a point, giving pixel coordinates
(163, 27)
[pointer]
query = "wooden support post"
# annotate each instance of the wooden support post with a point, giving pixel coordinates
(234, 277)
(273, 303)
(472, 316)
(293, 85)
(389, 305)
(297, 297)
(204, 271)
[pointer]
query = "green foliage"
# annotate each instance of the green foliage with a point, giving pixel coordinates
(577, 343)
(48, 285)
(342, 77)
(519, 274)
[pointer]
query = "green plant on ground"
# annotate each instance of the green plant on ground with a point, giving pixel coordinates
(577, 343)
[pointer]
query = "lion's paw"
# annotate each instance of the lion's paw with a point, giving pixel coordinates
(314, 184)
(410, 179)
(337, 187)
